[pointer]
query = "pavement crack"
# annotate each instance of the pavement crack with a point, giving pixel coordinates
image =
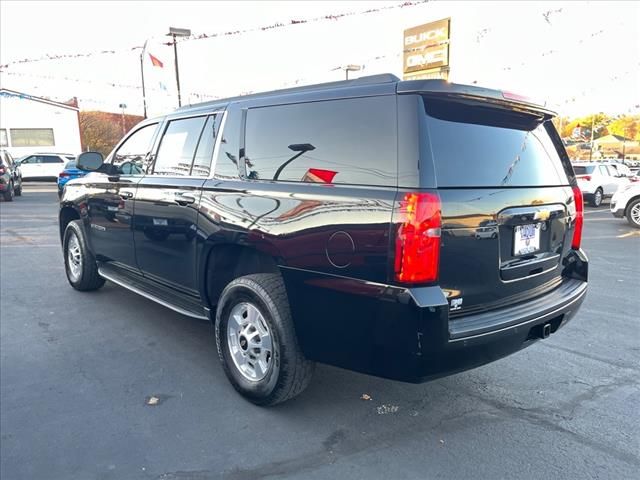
(595, 358)
(540, 416)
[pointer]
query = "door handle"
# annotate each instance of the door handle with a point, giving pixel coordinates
(125, 195)
(184, 199)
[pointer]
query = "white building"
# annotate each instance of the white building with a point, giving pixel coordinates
(31, 124)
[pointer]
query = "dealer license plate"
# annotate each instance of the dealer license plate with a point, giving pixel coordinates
(526, 239)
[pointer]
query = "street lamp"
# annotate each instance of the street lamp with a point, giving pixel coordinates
(123, 106)
(177, 32)
(351, 68)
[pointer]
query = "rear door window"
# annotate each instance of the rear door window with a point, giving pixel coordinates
(178, 146)
(604, 170)
(475, 146)
(51, 159)
(351, 141)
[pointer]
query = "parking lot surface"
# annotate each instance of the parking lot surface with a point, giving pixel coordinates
(77, 370)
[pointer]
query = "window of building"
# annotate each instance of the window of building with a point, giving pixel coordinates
(350, 141)
(32, 137)
(178, 146)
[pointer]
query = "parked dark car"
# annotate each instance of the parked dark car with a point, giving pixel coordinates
(10, 177)
(405, 229)
(70, 172)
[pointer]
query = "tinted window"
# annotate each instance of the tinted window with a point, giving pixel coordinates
(32, 159)
(178, 146)
(70, 165)
(204, 152)
(131, 157)
(479, 146)
(51, 159)
(341, 141)
(583, 170)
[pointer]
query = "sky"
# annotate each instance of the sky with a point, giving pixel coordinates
(577, 57)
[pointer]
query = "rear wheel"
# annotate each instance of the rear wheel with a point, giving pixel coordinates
(18, 190)
(633, 213)
(8, 193)
(256, 340)
(596, 200)
(80, 264)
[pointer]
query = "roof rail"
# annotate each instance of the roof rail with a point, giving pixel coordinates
(368, 80)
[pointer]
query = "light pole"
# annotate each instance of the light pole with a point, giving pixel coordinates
(177, 32)
(624, 143)
(351, 68)
(123, 106)
(144, 94)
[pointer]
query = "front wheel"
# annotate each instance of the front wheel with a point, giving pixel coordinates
(80, 264)
(596, 200)
(257, 343)
(18, 190)
(633, 213)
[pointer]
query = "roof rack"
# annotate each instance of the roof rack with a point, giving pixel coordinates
(368, 80)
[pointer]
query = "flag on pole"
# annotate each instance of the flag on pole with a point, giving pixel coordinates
(155, 61)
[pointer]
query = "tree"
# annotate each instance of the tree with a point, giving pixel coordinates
(627, 126)
(101, 131)
(600, 122)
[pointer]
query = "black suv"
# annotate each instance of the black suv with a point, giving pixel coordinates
(10, 177)
(405, 229)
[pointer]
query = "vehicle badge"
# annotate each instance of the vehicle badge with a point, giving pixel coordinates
(456, 304)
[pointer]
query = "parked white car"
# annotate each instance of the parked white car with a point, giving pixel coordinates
(626, 203)
(600, 180)
(43, 165)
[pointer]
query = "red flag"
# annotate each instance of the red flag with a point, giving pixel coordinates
(155, 62)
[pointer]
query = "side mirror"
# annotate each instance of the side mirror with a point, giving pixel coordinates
(90, 161)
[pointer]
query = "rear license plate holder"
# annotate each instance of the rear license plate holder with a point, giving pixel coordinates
(526, 239)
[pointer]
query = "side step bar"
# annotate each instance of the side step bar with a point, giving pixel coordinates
(153, 291)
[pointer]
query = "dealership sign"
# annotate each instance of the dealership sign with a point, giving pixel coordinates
(426, 48)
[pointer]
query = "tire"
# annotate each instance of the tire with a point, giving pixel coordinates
(596, 198)
(8, 193)
(18, 190)
(287, 371)
(80, 264)
(633, 213)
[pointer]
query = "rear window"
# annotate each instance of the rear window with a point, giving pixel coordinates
(476, 146)
(583, 169)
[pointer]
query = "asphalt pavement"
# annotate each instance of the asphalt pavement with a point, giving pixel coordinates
(77, 369)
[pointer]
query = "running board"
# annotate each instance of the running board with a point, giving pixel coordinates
(153, 291)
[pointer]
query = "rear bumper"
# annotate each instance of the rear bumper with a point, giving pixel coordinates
(406, 334)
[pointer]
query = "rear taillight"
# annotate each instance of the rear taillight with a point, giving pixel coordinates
(417, 241)
(63, 174)
(586, 178)
(577, 231)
